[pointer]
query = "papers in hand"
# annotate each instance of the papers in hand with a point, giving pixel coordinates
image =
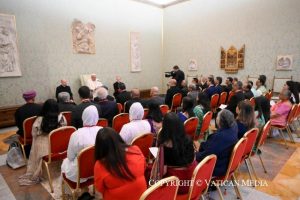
(222, 106)
(154, 151)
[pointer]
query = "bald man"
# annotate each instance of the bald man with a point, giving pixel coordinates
(155, 98)
(63, 88)
(135, 97)
(173, 89)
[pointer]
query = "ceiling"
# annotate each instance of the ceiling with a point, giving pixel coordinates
(161, 3)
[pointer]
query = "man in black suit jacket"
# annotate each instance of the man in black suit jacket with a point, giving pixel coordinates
(171, 92)
(116, 86)
(84, 93)
(178, 75)
(64, 103)
(123, 95)
(63, 88)
(237, 97)
(135, 97)
(247, 91)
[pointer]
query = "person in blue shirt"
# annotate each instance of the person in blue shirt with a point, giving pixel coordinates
(218, 82)
(211, 89)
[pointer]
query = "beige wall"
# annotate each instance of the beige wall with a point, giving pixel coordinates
(198, 28)
(45, 48)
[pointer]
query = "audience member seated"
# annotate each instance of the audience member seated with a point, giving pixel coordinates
(154, 97)
(245, 118)
(261, 84)
(119, 168)
(201, 109)
(47, 121)
(236, 98)
(235, 79)
(228, 85)
(93, 84)
(293, 88)
(247, 91)
(135, 97)
(178, 148)
(137, 126)
(154, 117)
(281, 109)
(29, 109)
(173, 89)
(184, 88)
(220, 143)
(109, 109)
(109, 97)
(218, 86)
(84, 94)
(80, 139)
(256, 93)
(195, 81)
(211, 90)
(203, 84)
(123, 95)
(193, 92)
(116, 86)
(264, 103)
(63, 88)
(64, 103)
(187, 109)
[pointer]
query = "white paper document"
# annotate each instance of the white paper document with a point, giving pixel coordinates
(154, 151)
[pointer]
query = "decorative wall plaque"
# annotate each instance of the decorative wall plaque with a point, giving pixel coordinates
(232, 60)
(135, 52)
(284, 62)
(83, 37)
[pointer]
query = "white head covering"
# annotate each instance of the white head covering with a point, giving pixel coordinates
(90, 116)
(136, 111)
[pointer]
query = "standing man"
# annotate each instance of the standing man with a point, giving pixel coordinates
(178, 75)
(63, 88)
(94, 84)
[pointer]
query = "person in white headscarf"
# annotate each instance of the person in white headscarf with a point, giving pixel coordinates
(80, 139)
(137, 126)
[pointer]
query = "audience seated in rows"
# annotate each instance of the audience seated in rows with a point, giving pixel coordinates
(119, 168)
(245, 117)
(80, 139)
(187, 109)
(84, 94)
(173, 89)
(137, 126)
(109, 109)
(63, 87)
(64, 103)
(123, 95)
(29, 109)
(236, 98)
(220, 143)
(154, 117)
(48, 120)
(201, 109)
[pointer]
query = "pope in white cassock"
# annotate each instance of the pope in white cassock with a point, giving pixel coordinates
(94, 83)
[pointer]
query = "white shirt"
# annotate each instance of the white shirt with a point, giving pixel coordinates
(94, 84)
(133, 129)
(256, 93)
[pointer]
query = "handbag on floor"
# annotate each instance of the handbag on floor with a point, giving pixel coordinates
(15, 158)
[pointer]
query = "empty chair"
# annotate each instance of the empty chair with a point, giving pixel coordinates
(120, 107)
(223, 97)
(190, 126)
(231, 93)
(144, 142)
(176, 102)
(68, 117)
(119, 120)
(102, 122)
(205, 125)
(214, 102)
(27, 128)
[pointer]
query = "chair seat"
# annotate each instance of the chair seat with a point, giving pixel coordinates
(55, 157)
(81, 185)
(28, 141)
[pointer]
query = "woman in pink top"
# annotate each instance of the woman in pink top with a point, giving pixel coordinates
(280, 110)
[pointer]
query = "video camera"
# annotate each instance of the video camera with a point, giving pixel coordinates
(170, 74)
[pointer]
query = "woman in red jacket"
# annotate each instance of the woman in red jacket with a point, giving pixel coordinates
(119, 168)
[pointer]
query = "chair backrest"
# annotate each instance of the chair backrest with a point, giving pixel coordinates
(214, 101)
(291, 114)
(252, 102)
(85, 163)
(264, 134)
(144, 142)
(68, 116)
(59, 140)
(251, 136)
(120, 107)
(190, 126)
(119, 120)
(27, 128)
(201, 177)
(102, 122)
(298, 112)
(176, 101)
(269, 95)
(165, 189)
(236, 157)
(205, 123)
(295, 113)
(231, 93)
(223, 97)
(146, 111)
(164, 109)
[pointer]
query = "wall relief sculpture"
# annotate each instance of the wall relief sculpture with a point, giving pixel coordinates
(232, 60)
(135, 52)
(83, 37)
(9, 56)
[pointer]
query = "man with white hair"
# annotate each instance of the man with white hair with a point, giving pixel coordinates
(173, 89)
(155, 98)
(109, 109)
(63, 88)
(94, 83)
(64, 102)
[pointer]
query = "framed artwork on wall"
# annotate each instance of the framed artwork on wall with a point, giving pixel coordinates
(9, 55)
(192, 65)
(135, 52)
(284, 62)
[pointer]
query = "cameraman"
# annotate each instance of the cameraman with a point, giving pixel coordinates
(178, 75)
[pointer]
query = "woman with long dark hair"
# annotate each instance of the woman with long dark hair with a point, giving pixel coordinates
(201, 109)
(48, 120)
(154, 117)
(187, 109)
(119, 168)
(245, 117)
(293, 88)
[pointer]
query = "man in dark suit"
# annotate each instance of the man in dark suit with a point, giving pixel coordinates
(247, 91)
(228, 84)
(84, 93)
(63, 88)
(211, 90)
(218, 82)
(171, 92)
(109, 109)
(116, 86)
(236, 98)
(178, 75)
(123, 95)
(64, 103)
(155, 98)
(135, 97)
(29, 109)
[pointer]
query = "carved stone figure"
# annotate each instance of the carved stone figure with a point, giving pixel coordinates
(83, 37)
